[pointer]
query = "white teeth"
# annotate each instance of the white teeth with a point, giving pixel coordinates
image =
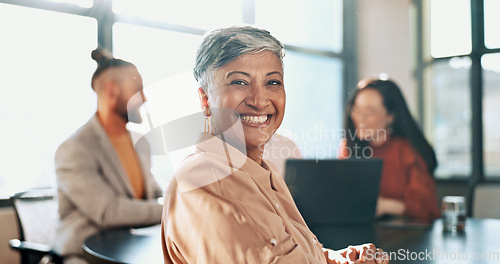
(254, 119)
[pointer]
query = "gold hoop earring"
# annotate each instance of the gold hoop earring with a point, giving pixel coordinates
(207, 125)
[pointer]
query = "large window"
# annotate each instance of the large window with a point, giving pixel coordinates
(461, 75)
(46, 46)
(311, 24)
(312, 117)
(491, 114)
(193, 13)
(45, 93)
(451, 112)
(450, 36)
(491, 24)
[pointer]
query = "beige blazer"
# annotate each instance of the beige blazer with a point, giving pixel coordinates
(93, 189)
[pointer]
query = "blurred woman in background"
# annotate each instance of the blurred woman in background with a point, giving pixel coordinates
(378, 124)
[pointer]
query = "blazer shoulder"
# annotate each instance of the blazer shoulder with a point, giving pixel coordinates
(84, 139)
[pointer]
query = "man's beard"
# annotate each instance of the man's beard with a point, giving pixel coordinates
(131, 116)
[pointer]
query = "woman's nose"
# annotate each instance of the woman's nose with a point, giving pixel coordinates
(257, 98)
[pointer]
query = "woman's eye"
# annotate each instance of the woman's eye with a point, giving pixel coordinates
(238, 82)
(274, 82)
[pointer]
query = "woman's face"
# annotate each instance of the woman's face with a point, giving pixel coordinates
(370, 116)
(251, 88)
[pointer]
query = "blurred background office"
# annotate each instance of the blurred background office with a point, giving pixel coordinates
(445, 55)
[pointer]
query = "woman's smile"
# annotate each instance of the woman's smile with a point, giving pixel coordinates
(255, 120)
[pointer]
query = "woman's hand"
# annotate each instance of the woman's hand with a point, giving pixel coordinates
(389, 206)
(366, 253)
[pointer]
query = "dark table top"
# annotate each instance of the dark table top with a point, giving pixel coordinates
(480, 243)
(126, 245)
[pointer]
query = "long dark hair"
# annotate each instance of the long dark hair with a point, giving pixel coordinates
(105, 61)
(403, 126)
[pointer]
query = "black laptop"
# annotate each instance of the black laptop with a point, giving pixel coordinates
(331, 193)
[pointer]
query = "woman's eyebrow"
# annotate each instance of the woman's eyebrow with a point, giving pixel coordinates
(247, 74)
(236, 72)
(275, 72)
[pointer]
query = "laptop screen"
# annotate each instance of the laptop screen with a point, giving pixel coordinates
(335, 192)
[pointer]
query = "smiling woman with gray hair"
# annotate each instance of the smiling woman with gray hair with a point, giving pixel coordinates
(225, 204)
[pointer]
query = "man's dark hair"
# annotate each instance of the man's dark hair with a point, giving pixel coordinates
(105, 61)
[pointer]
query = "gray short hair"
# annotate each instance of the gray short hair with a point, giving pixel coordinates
(225, 45)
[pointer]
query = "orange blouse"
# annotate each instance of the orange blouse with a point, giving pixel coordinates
(405, 177)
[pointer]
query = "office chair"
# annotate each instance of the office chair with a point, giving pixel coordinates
(37, 218)
(485, 201)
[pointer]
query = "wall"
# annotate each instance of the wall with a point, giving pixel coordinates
(384, 43)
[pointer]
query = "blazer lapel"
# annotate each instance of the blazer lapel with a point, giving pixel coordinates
(111, 157)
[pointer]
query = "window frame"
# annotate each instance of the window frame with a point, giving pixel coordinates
(101, 10)
(424, 61)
